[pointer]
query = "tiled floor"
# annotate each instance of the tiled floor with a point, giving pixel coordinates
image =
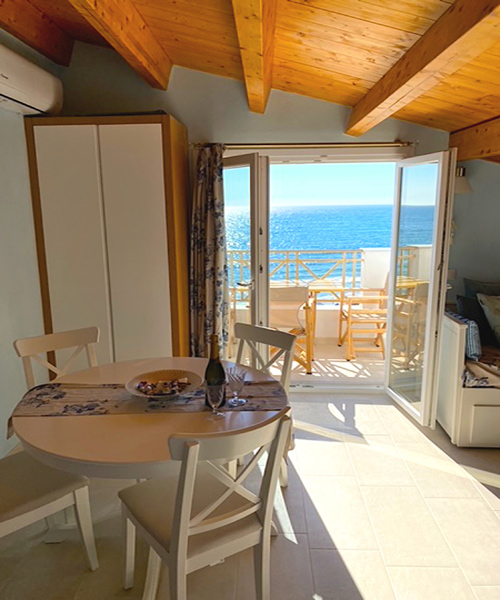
(375, 510)
(331, 367)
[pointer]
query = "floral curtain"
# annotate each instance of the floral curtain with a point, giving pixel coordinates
(209, 271)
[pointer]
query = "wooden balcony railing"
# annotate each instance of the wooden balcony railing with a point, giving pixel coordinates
(306, 266)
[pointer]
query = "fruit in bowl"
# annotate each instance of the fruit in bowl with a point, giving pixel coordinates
(163, 387)
(165, 383)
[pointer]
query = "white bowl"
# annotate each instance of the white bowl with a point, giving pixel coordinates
(194, 381)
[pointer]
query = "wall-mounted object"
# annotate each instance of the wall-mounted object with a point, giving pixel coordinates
(110, 202)
(26, 88)
(462, 186)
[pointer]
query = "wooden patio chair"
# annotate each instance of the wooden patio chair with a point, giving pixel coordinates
(291, 310)
(364, 313)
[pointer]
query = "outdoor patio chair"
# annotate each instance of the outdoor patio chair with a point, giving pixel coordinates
(409, 323)
(291, 310)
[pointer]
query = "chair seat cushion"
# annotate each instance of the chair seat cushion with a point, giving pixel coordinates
(152, 503)
(27, 484)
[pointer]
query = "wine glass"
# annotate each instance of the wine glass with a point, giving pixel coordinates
(236, 381)
(216, 395)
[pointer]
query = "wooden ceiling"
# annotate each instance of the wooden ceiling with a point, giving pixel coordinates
(431, 62)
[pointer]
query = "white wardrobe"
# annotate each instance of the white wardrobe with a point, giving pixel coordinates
(110, 211)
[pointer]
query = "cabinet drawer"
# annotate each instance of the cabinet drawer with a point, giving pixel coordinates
(485, 425)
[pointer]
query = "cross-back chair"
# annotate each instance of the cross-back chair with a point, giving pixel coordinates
(33, 491)
(291, 310)
(32, 348)
(282, 344)
(199, 513)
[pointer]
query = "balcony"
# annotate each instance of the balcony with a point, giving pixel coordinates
(331, 276)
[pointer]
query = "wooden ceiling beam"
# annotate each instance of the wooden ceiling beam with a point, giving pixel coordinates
(478, 141)
(255, 24)
(25, 22)
(465, 30)
(121, 24)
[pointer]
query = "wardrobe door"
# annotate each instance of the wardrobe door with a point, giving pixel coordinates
(73, 229)
(136, 232)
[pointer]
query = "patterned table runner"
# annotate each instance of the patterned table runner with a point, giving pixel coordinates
(71, 399)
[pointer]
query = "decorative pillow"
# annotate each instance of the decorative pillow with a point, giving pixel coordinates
(472, 338)
(473, 287)
(491, 307)
(471, 309)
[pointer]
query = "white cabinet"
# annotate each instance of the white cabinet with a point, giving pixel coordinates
(110, 207)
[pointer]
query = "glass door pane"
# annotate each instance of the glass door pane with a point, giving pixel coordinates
(418, 287)
(245, 186)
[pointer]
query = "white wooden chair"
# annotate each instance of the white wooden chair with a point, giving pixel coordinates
(198, 514)
(31, 492)
(284, 342)
(33, 347)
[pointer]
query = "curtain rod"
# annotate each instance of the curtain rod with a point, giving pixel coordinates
(320, 145)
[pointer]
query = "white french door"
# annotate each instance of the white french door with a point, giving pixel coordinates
(424, 194)
(246, 196)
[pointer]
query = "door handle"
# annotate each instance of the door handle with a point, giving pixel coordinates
(246, 284)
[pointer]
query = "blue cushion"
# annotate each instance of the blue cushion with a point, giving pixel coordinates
(473, 348)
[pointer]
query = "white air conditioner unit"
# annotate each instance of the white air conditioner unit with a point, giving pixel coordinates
(26, 88)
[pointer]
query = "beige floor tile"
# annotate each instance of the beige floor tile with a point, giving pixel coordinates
(379, 463)
(436, 475)
(211, 583)
(48, 572)
(487, 592)
(323, 457)
(489, 493)
(336, 515)
(291, 577)
(473, 532)
(350, 575)
(405, 528)
(289, 511)
(399, 426)
(428, 583)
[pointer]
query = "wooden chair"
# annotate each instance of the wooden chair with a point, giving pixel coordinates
(31, 492)
(198, 514)
(33, 347)
(365, 313)
(291, 310)
(282, 342)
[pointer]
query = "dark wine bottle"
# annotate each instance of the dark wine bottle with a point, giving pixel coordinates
(214, 374)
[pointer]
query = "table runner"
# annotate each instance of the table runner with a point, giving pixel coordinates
(72, 399)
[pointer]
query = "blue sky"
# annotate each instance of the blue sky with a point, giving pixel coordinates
(332, 184)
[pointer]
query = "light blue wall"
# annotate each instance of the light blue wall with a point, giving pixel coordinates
(475, 250)
(20, 311)
(214, 109)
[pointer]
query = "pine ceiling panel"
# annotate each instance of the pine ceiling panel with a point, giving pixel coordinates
(316, 83)
(69, 20)
(196, 34)
(467, 97)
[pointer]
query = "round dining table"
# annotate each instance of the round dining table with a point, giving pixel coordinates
(128, 446)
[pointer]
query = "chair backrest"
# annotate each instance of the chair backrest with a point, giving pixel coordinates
(33, 347)
(251, 335)
(202, 456)
(285, 303)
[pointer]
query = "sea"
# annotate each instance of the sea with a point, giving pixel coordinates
(335, 227)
